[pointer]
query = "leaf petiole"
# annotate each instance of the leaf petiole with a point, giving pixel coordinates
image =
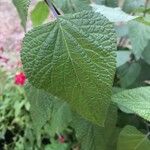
(53, 8)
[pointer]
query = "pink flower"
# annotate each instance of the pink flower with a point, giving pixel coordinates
(20, 78)
(61, 139)
(19, 64)
(1, 49)
(4, 59)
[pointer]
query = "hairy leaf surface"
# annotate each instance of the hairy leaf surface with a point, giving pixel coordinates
(73, 58)
(135, 100)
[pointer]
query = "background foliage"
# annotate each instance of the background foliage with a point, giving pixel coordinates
(75, 97)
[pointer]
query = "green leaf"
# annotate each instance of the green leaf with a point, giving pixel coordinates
(73, 58)
(22, 8)
(92, 137)
(100, 2)
(132, 139)
(40, 13)
(133, 5)
(139, 36)
(128, 73)
(146, 53)
(135, 100)
(71, 6)
(46, 108)
(110, 3)
(57, 146)
(122, 30)
(122, 57)
(41, 106)
(113, 14)
(61, 118)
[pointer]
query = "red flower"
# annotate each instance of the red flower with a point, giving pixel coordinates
(61, 139)
(20, 78)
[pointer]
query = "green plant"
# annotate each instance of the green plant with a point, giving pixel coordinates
(14, 113)
(74, 84)
(16, 127)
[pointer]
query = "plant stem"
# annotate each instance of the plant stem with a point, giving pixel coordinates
(53, 9)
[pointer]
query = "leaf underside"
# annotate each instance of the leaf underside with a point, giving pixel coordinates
(135, 100)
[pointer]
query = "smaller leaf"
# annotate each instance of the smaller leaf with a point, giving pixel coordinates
(139, 36)
(113, 14)
(93, 137)
(133, 5)
(57, 146)
(111, 3)
(122, 30)
(122, 57)
(134, 101)
(41, 106)
(22, 8)
(128, 73)
(100, 2)
(146, 53)
(61, 118)
(46, 108)
(40, 13)
(132, 139)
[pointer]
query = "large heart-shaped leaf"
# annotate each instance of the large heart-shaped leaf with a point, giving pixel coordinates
(73, 59)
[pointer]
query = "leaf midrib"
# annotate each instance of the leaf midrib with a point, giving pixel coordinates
(69, 54)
